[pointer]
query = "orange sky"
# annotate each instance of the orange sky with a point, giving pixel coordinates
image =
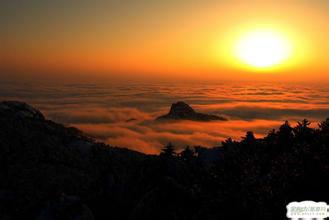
(181, 39)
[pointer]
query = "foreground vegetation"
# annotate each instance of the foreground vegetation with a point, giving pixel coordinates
(48, 171)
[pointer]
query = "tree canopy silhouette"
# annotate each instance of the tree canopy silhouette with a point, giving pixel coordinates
(49, 171)
(168, 150)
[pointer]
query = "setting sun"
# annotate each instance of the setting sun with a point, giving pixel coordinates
(262, 49)
(164, 109)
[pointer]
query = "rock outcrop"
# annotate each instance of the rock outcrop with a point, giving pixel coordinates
(20, 110)
(182, 111)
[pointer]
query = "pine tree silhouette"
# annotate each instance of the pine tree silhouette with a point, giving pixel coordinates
(187, 153)
(168, 150)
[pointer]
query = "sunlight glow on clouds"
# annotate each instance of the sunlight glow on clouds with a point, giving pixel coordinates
(123, 114)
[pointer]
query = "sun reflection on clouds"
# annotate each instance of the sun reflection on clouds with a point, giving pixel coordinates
(123, 114)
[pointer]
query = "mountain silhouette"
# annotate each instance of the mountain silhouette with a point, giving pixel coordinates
(47, 170)
(20, 110)
(182, 111)
(52, 172)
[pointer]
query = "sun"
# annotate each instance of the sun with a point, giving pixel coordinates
(263, 48)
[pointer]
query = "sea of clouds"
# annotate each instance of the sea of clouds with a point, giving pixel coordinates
(122, 114)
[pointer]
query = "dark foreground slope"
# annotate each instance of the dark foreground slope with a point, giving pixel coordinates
(48, 171)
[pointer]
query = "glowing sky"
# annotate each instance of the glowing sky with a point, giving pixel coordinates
(156, 38)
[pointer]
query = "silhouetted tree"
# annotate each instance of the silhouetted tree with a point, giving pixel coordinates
(249, 138)
(324, 134)
(168, 150)
(187, 153)
(302, 130)
(285, 134)
(324, 126)
(271, 136)
(227, 142)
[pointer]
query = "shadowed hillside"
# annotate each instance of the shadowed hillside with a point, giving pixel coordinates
(49, 171)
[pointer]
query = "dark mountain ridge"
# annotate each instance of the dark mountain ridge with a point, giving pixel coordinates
(49, 171)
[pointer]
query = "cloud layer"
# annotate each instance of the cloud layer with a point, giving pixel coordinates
(123, 114)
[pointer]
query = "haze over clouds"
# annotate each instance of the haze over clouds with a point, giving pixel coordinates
(159, 39)
(123, 114)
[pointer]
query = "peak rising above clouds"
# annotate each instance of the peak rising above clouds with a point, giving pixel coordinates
(124, 114)
(182, 111)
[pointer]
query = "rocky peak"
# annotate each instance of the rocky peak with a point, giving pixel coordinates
(181, 108)
(182, 111)
(20, 109)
